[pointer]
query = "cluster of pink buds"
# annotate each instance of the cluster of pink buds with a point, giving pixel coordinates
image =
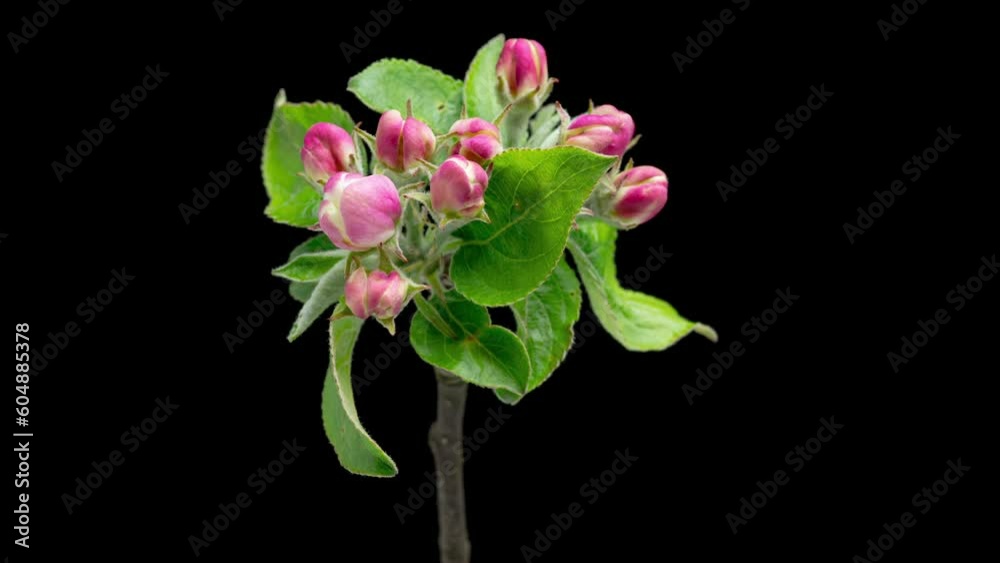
(361, 213)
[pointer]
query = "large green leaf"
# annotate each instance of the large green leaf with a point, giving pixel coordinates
(357, 452)
(640, 322)
(532, 199)
(482, 97)
(545, 322)
(389, 83)
(293, 200)
(480, 353)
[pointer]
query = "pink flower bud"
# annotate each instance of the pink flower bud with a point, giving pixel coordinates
(326, 150)
(523, 68)
(376, 294)
(359, 212)
(400, 143)
(639, 194)
(604, 130)
(457, 188)
(478, 139)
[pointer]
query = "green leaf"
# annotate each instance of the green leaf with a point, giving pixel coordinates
(545, 322)
(310, 266)
(301, 291)
(544, 128)
(640, 322)
(356, 450)
(482, 354)
(482, 97)
(293, 200)
(326, 294)
(318, 243)
(389, 83)
(532, 198)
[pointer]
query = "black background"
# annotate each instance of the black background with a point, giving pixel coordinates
(825, 357)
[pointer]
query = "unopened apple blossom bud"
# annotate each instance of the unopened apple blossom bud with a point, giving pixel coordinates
(636, 196)
(478, 139)
(400, 143)
(604, 130)
(457, 188)
(523, 69)
(359, 212)
(326, 150)
(376, 294)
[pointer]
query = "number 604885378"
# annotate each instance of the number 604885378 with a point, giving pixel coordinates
(21, 348)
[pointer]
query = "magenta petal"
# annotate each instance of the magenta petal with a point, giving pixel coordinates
(371, 209)
(449, 185)
(418, 142)
(326, 150)
(641, 174)
(457, 187)
(593, 120)
(355, 292)
(641, 203)
(386, 294)
(480, 148)
(522, 67)
(605, 130)
(387, 137)
(597, 139)
(472, 126)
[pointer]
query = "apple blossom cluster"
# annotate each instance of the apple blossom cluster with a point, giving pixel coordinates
(364, 212)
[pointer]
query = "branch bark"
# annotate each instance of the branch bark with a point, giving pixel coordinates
(446, 445)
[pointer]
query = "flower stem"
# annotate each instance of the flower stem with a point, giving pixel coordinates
(446, 445)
